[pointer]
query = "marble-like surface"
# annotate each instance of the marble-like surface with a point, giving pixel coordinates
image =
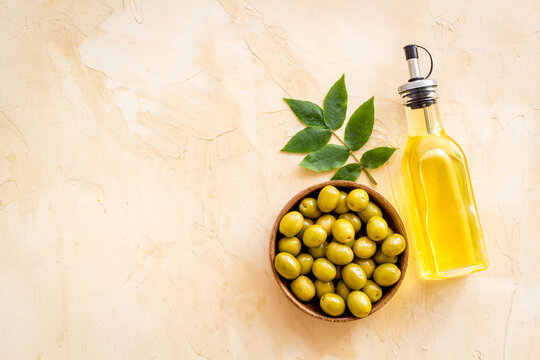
(140, 174)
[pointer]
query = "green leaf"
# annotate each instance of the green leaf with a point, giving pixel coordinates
(308, 113)
(360, 125)
(308, 139)
(349, 172)
(374, 158)
(331, 156)
(335, 105)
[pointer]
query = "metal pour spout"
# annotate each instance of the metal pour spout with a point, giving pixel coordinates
(419, 92)
(411, 54)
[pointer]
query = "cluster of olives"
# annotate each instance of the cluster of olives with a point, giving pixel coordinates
(328, 257)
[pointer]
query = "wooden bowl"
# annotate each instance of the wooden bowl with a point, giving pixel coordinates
(390, 215)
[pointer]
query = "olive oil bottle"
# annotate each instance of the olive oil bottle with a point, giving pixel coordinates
(439, 196)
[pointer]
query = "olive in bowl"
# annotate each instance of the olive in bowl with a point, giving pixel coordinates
(353, 259)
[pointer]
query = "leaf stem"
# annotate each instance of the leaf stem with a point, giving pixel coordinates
(369, 176)
(355, 159)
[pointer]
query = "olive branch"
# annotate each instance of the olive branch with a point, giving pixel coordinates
(322, 125)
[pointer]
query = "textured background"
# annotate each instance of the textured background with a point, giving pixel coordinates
(140, 174)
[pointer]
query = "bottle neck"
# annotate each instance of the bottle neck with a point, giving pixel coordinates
(424, 121)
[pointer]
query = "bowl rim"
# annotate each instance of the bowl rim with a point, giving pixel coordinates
(382, 202)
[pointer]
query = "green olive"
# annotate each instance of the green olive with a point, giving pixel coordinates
(291, 224)
(290, 245)
(368, 265)
(342, 207)
(332, 304)
(326, 221)
(339, 254)
(393, 245)
(357, 199)
(342, 289)
(338, 272)
(364, 248)
(307, 223)
(323, 287)
(354, 276)
(353, 219)
(287, 266)
(377, 228)
(380, 258)
(369, 211)
(314, 236)
(306, 262)
(343, 231)
(308, 207)
(303, 288)
(324, 270)
(386, 274)
(319, 251)
(373, 291)
(328, 198)
(359, 304)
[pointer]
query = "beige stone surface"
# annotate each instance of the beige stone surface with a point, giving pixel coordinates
(140, 174)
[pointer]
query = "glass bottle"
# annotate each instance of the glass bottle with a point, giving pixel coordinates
(441, 207)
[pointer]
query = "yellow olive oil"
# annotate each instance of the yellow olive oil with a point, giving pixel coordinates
(442, 209)
(439, 201)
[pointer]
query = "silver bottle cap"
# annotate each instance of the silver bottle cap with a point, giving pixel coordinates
(419, 91)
